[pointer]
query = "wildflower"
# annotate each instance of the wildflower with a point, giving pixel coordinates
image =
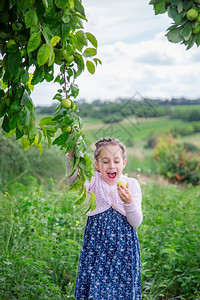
(34, 210)
(6, 194)
(77, 223)
(3, 216)
(12, 216)
(17, 218)
(139, 170)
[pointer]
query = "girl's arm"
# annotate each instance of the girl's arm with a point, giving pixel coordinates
(132, 198)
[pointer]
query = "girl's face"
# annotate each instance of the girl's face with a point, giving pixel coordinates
(110, 163)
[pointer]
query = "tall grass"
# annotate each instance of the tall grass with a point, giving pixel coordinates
(41, 233)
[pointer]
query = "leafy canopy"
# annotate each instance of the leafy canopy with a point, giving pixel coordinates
(35, 36)
(186, 16)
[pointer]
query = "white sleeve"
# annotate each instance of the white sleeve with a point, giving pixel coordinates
(134, 210)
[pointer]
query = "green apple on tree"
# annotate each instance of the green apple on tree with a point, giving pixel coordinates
(66, 129)
(192, 14)
(66, 103)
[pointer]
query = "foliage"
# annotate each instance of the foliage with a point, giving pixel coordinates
(189, 115)
(41, 233)
(176, 163)
(186, 16)
(36, 36)
(15, 163)
(169, 243)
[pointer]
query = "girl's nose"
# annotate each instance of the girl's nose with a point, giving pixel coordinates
(111, 165)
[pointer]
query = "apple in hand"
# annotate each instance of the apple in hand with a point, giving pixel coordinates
(122, 182)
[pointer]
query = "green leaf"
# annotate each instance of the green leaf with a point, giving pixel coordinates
(61, 3)
(45, 3)
(174, 35)
(96, 60)
(32, 130)
(14, 60)
(176, 16)
(160, 8)
(25, 98)
(55, 40)
(80, 16)
(90, 66)
(5, 124)
(24, 116)
(47, 121)
(187, 4)
(31, 18)
(15, 107)
(92, 39)
(61, 139)
(76, 184)
(197, 41)
(93, 203)
(34, 42)
(13, 122)
(43, 54)
(88, 52)
(81, 37)
(71, 142)
(155, 1)
(25, 143)
(186, 31)
(81, 198)
(72, 171)
(48, 4)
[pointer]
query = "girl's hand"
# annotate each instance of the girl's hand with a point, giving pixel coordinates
(125, 194)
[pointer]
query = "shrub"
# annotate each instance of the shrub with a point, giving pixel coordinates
(176, 163)
(182, 131)
(196, 126)
(15, 162)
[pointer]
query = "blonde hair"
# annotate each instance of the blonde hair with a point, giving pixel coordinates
(108, 141)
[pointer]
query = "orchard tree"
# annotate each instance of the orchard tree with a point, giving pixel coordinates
(36, 35)
(186, 16)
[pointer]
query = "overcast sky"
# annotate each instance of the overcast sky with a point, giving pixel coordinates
(136, 56)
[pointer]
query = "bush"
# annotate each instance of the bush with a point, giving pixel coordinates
(182, 131)
(15, 162)
(169, 243)
(196, 126)
(178, 165)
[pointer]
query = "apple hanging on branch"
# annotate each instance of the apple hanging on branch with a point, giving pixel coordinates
(185, 28)
(36, 38)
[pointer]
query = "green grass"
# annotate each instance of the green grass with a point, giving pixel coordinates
(41, 234)
(132, 129)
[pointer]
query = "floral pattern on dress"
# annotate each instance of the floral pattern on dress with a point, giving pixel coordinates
(109, 264)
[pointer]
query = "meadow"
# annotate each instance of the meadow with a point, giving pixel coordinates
(42, 230)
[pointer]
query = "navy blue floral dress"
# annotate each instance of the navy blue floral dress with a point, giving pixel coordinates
(109, 265)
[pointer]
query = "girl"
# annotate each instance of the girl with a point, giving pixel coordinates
(109, 265)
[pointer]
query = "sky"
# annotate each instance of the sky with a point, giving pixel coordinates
(136, 56)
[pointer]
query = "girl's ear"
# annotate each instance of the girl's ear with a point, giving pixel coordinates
(96, 165)
(124, 163)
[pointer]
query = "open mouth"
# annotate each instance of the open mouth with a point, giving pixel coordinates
(112, 175)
